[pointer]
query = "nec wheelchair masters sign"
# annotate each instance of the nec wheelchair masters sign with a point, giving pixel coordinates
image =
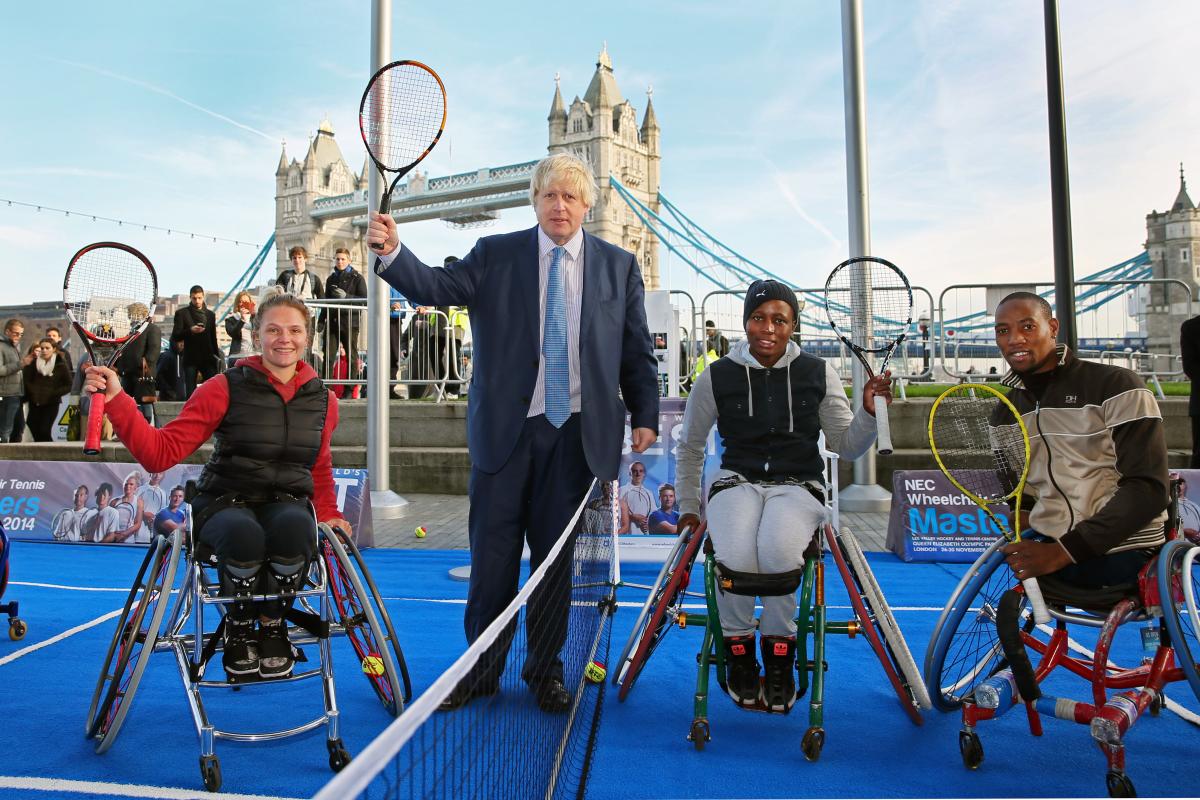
(931, 520)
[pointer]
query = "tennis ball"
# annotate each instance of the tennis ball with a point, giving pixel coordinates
(420, 532)
(595, 672)
(373, 666)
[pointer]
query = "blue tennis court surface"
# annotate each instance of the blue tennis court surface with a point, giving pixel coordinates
(69, 596)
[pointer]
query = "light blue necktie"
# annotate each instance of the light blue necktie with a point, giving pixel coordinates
(554, 346)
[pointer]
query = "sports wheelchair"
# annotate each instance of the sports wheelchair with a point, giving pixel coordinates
(337, 596)
(978, 657)
(664, 609)
(16, 626)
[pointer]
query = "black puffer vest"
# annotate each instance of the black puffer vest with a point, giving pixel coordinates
(264, 445)
(762, 446)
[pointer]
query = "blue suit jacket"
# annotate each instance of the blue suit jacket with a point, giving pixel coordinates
(498, 281)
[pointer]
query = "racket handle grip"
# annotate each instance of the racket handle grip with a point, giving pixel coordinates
(1041, 614)
(95, 421)
(883, 426)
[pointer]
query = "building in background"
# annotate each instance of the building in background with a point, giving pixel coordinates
(1172, 241)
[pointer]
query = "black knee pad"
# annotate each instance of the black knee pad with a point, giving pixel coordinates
(286, 573)
(239, 579)
(756, 584)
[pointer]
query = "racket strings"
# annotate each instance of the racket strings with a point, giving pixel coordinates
(980, 445)
(110, 292)
(872, 291)
(402, 115)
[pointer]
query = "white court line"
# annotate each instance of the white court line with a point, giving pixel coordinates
(53, 639)
(122, 789)
(630, 604)
(67, 588)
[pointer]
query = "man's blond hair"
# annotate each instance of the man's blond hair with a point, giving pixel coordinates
(568, 169)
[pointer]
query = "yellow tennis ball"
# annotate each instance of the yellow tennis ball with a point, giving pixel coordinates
(373, 666)
(420, 532)
(595, 672)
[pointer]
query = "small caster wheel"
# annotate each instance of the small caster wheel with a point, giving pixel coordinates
(971, 749)
(210, 770)
(811, 744)
(699, 735)
(339, 757)
(17, 629)
(1157, 704)
(1119, 785)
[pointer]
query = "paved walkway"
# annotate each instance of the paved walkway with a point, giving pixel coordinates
(444, 517)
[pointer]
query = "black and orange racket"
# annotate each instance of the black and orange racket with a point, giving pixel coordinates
(108, 293)
(401, 117)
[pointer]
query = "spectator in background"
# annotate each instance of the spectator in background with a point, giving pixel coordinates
(239, 325)
(46, 380)
(1189, 347)
(196, 325)
(168, 372)
(12, 364)
(298, 280)
(715, 340)
(342, 324)
(399, 311)
(138, 360)
(55, 335)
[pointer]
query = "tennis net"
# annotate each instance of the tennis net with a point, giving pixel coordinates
(501, 743)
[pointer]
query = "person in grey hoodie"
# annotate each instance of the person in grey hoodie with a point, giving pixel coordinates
(770, 402)
(12, 389)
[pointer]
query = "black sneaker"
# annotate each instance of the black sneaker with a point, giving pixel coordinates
(239, 648)
(779, 660)
(275, 657)
(741, 671)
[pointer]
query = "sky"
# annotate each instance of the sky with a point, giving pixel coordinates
(173, 114)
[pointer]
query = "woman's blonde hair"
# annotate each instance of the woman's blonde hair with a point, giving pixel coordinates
(567, 168)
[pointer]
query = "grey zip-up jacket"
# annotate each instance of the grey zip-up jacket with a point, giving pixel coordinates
(10, 369)
(847, 434)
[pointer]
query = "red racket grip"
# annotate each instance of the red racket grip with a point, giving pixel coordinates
(95, 421)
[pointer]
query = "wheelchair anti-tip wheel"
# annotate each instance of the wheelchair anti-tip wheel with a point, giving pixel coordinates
(138, 628)
(661, 610)
(878, 623)
(1178, 562)
(378, 652)
(964, 649)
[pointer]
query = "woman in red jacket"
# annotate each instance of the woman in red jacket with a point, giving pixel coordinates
(272, 419)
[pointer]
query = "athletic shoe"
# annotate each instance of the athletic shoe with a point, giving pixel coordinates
(240, 649)
(779, 661)
(275, 658)
(741, 671)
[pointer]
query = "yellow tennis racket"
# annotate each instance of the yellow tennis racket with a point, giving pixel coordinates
(981, 444)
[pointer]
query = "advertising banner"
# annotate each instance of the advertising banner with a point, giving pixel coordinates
(119, 503)
(931, 520)
(644, 474)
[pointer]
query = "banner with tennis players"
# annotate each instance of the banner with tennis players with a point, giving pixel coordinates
(117, 503)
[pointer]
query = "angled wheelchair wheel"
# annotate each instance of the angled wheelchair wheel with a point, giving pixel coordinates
(1178, 562)
(357, 617)
(964, 649)
(878, 624)
(138, 628)
(661, 609)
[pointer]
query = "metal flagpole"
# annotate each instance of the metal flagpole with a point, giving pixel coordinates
(864, 494)
(385, 503)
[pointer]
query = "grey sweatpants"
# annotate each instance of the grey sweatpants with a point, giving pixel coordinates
(764, 530)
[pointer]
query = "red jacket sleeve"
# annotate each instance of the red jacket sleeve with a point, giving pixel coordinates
(324, 494)
(159, 449)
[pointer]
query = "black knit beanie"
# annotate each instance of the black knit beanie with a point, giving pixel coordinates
(762, 291)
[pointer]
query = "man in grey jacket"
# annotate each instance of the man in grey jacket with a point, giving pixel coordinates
(11, 364)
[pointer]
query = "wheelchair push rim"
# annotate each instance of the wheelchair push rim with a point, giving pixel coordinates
(1178, 560)
(877, 622)
(359, 621)
(666, 597)
(138, 628)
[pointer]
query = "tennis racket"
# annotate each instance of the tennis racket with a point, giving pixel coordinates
(60, 527)
(981, 444)
(89, 524)
(108, 292)
(871, 290)
(401, 117)
(126, 511)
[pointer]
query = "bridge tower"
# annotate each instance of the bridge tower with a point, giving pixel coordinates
(323, 173)
(1173, 241)
(602, 129)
